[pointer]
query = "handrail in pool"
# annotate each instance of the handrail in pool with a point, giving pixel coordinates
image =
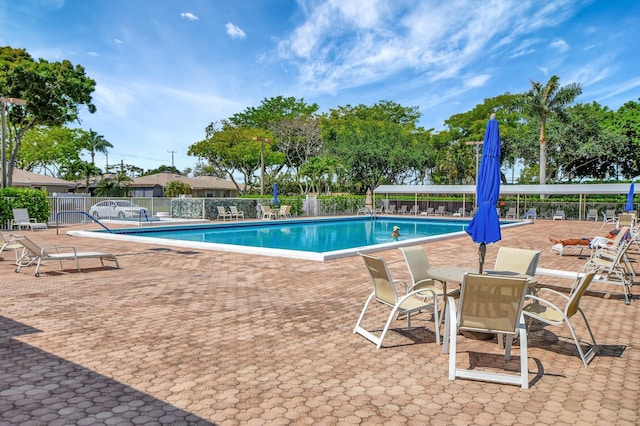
(84, 213)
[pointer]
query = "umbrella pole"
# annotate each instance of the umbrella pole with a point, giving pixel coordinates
(482, 250)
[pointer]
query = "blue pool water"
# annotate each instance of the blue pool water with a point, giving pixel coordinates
(317, 239)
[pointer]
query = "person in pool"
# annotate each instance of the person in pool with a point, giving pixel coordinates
(396, 232)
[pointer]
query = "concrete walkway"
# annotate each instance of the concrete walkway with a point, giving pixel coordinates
(202, 337)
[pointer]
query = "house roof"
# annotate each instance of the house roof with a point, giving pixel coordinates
(199, 182)
(24, 178)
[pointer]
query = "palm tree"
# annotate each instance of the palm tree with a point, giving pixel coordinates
(544, 103)
(116, 186)
(93, 142)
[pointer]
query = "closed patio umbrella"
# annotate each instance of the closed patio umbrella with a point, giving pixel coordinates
(485, 225)
(629, 206)
(275, 194)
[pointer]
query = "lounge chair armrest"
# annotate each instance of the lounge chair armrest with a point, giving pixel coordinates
(65, 249)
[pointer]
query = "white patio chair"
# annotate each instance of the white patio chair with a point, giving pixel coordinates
(21, 219)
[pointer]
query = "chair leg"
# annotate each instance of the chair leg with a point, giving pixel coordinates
(524, 357)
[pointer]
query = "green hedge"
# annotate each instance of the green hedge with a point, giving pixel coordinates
(34, 200)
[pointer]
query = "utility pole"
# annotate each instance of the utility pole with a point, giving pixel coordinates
(5, 102)
(172, 153)
(263, 140)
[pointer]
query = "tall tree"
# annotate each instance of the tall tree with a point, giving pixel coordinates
(93, 142)
(544, 103)
(54, 93)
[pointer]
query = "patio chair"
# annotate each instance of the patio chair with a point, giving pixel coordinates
(592, 214)
(559, 215)
(608, 216)
(10, 244)
(21, 219)
(223, 213)
(459, 213)
(418, 264)
(613, 264)
(235, 213)
(511, 213)
(488, 304)
(414, 210)
(284, 212)
(518, 260)
(429, 211)
(35, 253)
(549, 313)
(530, 214)
(441, 211)
(391, 209)
(403, 209)
(267, 213)
(626, 219)
(386, 293)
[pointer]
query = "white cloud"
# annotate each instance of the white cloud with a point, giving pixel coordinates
(346, 43)
(234, 31)
(117, 41)
(190, 16)
(93, 54)
(560, 44)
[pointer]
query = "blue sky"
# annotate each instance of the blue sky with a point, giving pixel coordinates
(165, 69)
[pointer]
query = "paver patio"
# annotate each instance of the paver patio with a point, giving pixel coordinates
(180, 336)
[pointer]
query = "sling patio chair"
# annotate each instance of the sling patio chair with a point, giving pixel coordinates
(10, 244)
(418, 264)
(21, 219)
(267, 213)
(235, 213)
(386, 293)
(36, 253)
(609, 216)
(559, 215)
(488, 304)
(613, 265)
(592, 214)
(550, 313)
(511, 213)
(522, 261)
(223, 213)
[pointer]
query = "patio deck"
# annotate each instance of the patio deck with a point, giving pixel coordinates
(202, 337)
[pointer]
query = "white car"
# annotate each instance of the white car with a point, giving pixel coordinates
(116, 208)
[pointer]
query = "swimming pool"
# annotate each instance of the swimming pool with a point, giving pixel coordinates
(313, 239)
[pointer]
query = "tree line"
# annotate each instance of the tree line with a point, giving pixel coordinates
(347, 149)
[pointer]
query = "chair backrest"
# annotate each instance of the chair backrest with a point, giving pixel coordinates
(383, 288)
(233, 209)
(221, 210)
(491, 303)
(21, 215)
(417, 261)
(531, 213)
(574, 301)
(622, 234)
(512, 210)
(560, 213)
(440, 209)
(27, 243)
(403, 208)
(593, 212)
(265, 209)
(518, 260)
(626, 219)
(610, 213)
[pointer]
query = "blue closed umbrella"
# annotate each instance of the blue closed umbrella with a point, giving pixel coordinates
(275, 194)
(629, 206)
(485, 225)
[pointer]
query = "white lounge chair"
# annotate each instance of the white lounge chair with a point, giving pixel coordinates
(35, 253)
(21, 219)
(267, 213)
(10, 244)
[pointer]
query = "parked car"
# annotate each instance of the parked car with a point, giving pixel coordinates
(116, 208)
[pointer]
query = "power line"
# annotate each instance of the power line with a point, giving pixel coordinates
(172, 154)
